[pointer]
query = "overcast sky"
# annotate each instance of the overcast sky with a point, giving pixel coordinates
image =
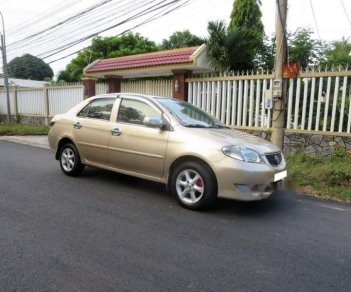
(331, 20)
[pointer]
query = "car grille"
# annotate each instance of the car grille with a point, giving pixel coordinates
(274, 158)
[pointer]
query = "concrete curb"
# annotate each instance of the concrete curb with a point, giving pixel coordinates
(36, 141)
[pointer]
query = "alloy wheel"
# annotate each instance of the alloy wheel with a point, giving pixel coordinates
(190, 186)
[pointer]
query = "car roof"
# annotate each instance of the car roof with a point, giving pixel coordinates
(116, 94)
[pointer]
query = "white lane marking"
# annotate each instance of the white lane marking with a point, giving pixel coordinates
(325, 206)
(334, 208)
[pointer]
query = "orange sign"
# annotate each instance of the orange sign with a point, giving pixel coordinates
(291, 70)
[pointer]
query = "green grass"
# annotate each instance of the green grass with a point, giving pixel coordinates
(325, 178)
(22, 130)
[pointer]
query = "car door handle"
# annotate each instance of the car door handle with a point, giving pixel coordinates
(116, 132)
(77, 125)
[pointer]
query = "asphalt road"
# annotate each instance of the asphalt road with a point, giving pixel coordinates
(108, 232)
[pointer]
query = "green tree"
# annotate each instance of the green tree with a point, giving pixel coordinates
(265, 57)
(29, 67)
(181, 39)
(339, 54)
(240, 46)
(303, 48)
(233, 49)
(216, 45)
(246, 14)
(104, 48)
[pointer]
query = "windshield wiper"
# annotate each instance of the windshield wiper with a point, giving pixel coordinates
(196, 126)
(219, 127)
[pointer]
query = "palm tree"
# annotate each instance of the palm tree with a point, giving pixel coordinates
(233, 49)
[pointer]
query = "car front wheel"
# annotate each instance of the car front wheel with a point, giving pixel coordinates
(193, 185)
(70, 160)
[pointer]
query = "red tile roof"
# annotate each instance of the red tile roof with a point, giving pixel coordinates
(179, 56)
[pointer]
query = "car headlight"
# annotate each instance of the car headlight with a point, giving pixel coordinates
(242, 153)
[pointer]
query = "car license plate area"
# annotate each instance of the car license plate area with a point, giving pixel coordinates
(280, 175)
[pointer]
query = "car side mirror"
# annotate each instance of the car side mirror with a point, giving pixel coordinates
(153, 122)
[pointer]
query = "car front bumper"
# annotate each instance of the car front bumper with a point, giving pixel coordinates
(248, 181)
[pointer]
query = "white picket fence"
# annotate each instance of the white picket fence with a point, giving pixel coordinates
(317, 101)
(45, 101)
(234, 100)
(152, 87)
(52, 100)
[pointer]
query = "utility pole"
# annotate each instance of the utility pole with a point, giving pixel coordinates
(279, 88)
(4, 61)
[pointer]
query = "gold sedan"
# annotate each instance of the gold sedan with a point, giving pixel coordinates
(168, 141)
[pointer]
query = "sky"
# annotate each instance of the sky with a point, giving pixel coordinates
(330, 20)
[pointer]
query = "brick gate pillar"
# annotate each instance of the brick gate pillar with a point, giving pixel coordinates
(89, 86)
(180, 87)
(113, 83)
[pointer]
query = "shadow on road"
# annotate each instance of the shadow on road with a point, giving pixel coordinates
(278, 202)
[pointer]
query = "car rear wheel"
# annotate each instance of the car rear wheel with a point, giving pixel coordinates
(70, 160)
(193, 185)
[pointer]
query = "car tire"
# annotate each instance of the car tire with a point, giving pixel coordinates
(194, 186)
(70, 160)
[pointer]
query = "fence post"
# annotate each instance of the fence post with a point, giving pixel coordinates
(46, 101)
(180, 87)
(89, 86)
(15, 103)
(113, 83)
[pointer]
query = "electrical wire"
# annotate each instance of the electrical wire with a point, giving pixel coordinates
(64, 5)
(347, 16)
(127, 30)
(62, 22)
(315, 20)
(79, 27)
(155, 8)
(77, 32)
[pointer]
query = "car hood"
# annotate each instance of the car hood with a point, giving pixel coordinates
(227, 137)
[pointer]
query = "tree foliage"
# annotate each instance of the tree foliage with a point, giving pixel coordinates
(338, 54)
(303, 48)
(233, 49)
(216, 45)
(29, 67)
(181, 39)
(246, 14)
(104, 48)
(240, 46)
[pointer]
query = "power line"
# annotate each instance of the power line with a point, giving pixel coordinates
(315, 20)
(127, 30)
(54, 35)
(65, 4)
(145, 12)
(347, 16)
(81, 26)
(62, 22)
(77, 27)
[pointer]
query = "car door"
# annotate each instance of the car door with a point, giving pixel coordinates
(136, 148)
(92, 130)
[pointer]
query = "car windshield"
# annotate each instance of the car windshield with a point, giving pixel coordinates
(189, 115)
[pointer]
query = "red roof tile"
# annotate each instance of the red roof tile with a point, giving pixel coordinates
(179, 56)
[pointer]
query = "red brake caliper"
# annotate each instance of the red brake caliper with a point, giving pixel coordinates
(200, 183)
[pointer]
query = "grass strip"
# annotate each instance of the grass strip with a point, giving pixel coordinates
(322, 177)
(12, 129)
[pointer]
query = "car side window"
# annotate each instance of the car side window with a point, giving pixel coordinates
(134, 112)
(98, 109)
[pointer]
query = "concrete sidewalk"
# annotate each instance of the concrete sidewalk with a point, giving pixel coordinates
(35, 140)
